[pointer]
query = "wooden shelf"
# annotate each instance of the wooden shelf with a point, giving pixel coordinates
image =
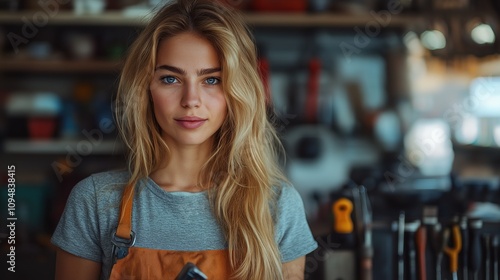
(254, 19)
(69, 18)
(73, 66)
(324, 20)
(106, 147)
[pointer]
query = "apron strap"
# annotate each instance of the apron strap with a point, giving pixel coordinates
(124, 228)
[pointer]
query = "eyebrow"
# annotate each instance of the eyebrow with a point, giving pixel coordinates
(180, 71)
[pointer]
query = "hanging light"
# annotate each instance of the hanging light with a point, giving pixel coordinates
(433, 40)
(483, 34)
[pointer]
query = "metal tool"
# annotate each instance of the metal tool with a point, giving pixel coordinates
(401, 246)
(367, 249)
(465, 248)
(410, 229)
(438, 244)
(454, 250)
(434, 236)
(495, 244)
(486, 242)
(475, 256)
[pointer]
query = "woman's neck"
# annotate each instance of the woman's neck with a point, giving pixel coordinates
(181, 172)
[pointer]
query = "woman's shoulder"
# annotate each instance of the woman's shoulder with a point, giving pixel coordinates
(112, 177)
(285, 191)
(102, 182)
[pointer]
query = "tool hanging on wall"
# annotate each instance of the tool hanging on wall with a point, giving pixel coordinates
(367, 252)
(433, 236)
(495, 244)
(363, 225)
(411, 253)
(486, 244)
(401, 238)
(453, 250)
(340, 262)
(438, 248)
(421, 241)
(475, 256)
(465, 248)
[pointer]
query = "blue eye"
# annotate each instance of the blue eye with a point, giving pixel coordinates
(168, 79)
(212, 81)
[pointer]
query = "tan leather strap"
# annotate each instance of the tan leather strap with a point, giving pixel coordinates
(125, 222)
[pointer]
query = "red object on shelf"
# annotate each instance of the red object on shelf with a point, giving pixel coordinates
(279, 5)
(41, 127)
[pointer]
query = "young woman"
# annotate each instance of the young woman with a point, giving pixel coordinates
(203, 183)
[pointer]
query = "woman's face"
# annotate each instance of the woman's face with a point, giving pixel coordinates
(186, 90)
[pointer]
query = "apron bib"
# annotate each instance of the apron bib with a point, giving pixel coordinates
(133, 263)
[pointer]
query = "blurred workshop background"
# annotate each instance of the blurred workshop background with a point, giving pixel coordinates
(389, 111)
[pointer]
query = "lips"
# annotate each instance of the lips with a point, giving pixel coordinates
(190, 122)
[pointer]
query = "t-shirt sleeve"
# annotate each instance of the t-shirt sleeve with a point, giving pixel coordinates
(77, 230)
(294, 235)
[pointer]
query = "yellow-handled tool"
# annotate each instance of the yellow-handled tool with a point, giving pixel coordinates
(453, 251)
(342, 209)
(340, 260)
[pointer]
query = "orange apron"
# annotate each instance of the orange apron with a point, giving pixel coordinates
(131, 262)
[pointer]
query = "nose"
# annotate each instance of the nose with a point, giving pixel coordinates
(190, 97)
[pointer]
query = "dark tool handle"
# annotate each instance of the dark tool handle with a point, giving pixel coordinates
(495, 245)
(475, 257)
(486, 242)
(421, 239)
(465, 248)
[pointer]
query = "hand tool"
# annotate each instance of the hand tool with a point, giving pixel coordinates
(367, 249)
(430, 220)
(437, 244)
(475, 257)
(465, 248)
(495, 244)
(410, 229)
(340, 262)
(486, 242)
(421, 240)
(401, 236)
(453, 251)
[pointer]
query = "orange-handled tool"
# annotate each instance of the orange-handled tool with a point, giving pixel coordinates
(421, 240)
(342, 209)
(453, 251)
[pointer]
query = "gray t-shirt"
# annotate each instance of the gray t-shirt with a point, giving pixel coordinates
(179, 221)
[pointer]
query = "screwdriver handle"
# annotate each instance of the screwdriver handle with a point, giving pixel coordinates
(421, 239)
(342, 209)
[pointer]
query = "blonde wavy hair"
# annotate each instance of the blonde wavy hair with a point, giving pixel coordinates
(243, 172)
